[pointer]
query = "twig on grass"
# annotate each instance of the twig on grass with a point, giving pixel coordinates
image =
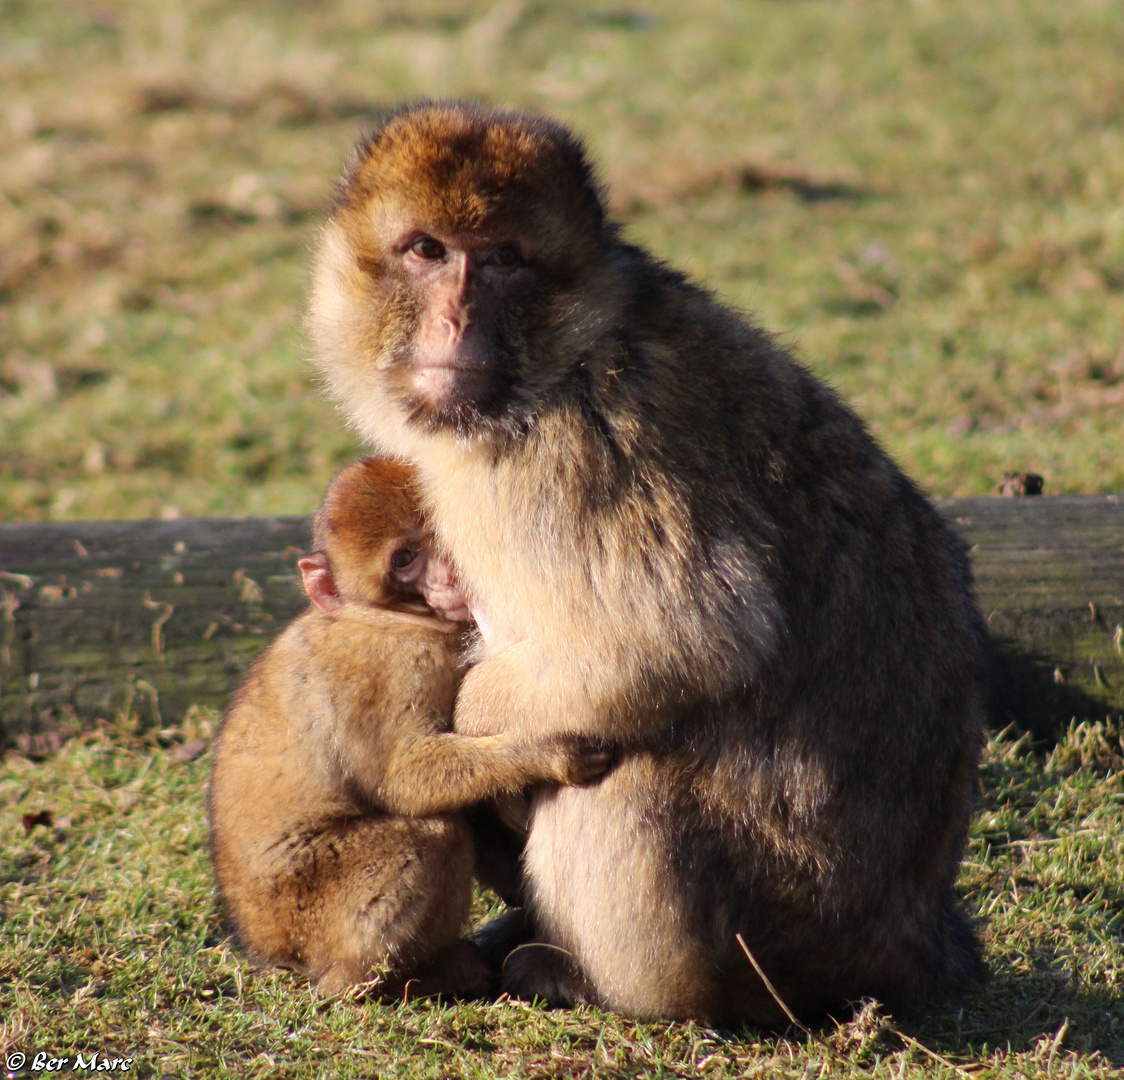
(533, 945)
(939, 1058)
(808, 1032)
(822, 1042)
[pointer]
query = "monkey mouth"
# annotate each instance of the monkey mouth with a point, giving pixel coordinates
(447, 602)
(452, 362)
(445, 381)
(415, 607)
(461, 614)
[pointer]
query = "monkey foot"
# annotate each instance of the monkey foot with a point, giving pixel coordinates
(457, 971)
(537, 970)
(498, 938)
(340, 976)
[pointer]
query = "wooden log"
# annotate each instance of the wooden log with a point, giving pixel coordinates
(103, 617)
(155, 617)
(1050, 582)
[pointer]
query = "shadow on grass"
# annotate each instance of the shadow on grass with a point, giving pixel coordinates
(1026, 692)
(752, 178)
(1021, 1012)
(1042, 1014)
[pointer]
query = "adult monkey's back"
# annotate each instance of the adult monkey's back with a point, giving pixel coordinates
(679, 539)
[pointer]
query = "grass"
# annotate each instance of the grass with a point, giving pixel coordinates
(924, 198)
(111, 941)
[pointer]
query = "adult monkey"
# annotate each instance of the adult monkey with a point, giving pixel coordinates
(683, 542)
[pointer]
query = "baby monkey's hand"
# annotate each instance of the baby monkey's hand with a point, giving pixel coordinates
(583, 759)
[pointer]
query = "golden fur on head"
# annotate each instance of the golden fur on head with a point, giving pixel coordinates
(455, 170)
(370, 504)
(467, 168)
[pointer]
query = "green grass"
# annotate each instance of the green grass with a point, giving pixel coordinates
(111, 941)
(924, 198)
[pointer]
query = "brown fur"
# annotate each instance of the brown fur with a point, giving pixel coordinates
(332, 801)
(683, 541)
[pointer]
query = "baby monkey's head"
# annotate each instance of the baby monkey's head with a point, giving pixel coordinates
(372, 546)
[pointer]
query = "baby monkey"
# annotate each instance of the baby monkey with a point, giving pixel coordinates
(334, 798)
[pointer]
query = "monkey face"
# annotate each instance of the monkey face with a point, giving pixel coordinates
(422, 577)
(377, 571)
(390, 572)
(396, 570)
(454, 278)
(468, 293)
(414, 578)
(373, 547)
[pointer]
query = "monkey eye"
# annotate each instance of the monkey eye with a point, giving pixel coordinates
(506, 256)
(402, 558)
(425, 247)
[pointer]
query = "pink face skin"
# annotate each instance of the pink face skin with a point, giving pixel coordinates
(435, 580)
(465, 282)
(414, 568)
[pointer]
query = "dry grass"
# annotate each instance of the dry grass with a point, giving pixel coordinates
(110, 941)
(924, 197)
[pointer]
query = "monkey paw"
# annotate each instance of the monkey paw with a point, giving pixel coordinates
(341, 975)
(585, 758)
(458, 971)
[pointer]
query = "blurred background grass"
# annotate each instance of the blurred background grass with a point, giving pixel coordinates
(923, 197)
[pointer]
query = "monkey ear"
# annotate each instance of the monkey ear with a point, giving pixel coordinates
(319, 582)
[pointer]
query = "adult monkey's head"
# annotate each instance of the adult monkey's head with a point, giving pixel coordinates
(460, 275)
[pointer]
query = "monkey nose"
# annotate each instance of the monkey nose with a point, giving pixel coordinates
(453, 324)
